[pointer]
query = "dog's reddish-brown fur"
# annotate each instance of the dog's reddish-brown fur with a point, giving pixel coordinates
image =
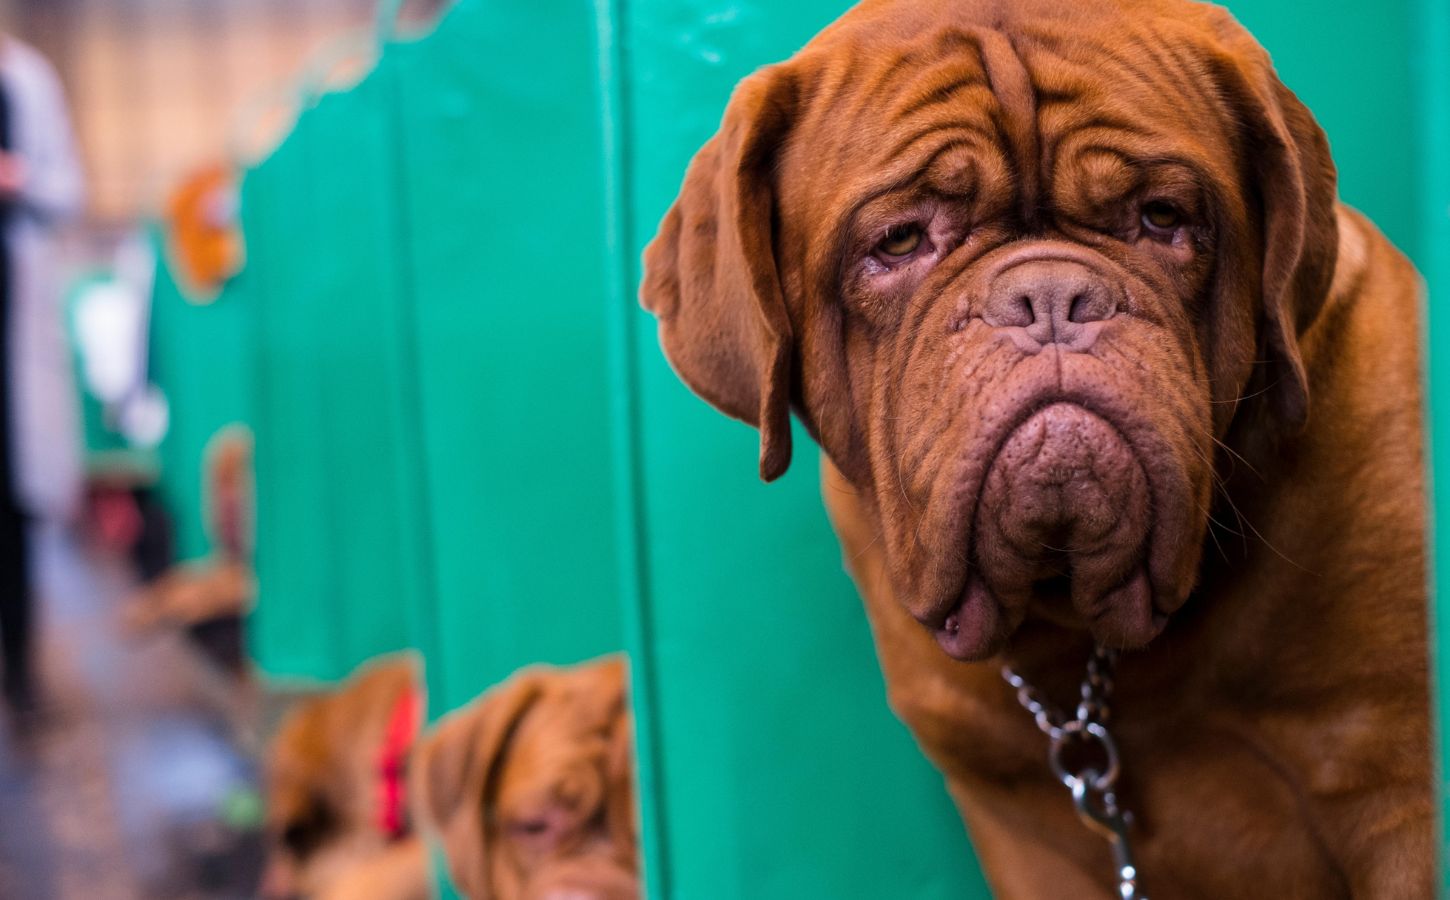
(1258, 364)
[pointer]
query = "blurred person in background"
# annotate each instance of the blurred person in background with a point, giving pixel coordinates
(41, 188)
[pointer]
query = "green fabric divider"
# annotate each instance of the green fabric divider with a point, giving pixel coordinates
(340, 573)
(200, 359)
(358, 355)
(294, 629)
(498, 128)
(1432, 79)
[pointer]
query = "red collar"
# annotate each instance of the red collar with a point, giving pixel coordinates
(404, 724)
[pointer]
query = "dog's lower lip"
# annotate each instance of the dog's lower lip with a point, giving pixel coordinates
(972, 629)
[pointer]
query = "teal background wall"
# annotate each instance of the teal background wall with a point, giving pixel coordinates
(503, 191)
(468, 441)
(1353, 65)
(1432, 78)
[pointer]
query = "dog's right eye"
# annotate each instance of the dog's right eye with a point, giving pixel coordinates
(1161, 220)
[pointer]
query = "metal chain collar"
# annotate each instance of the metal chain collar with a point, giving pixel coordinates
(1093, 778)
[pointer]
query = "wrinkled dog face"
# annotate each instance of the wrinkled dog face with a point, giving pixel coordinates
(531, 790)
(1016, 273)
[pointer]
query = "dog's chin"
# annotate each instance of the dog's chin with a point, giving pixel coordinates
(1060, 534)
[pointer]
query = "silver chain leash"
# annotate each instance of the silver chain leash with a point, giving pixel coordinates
(1093, 790)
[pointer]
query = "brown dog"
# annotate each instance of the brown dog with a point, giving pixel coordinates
(336, 809)
(531, 789)
(1064, 292)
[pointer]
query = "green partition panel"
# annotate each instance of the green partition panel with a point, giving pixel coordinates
(200, 359)
(498, 123)
(359, 351)
(340, 569)
(1432, 57)
(292, 631)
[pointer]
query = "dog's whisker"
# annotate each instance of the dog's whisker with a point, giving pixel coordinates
(1240, 399)
(1239, 457)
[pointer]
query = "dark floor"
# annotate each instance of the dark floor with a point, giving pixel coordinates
(139, 781)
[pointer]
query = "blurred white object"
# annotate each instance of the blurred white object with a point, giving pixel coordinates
(145, 417)
(46, 431)
(109, 322)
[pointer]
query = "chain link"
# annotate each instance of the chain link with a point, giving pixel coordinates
(1093, 784)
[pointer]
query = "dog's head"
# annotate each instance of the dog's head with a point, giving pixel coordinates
(334, 778)
(531, 789)
(1017, 267)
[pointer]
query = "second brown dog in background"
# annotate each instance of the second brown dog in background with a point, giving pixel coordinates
(530, 790)
(337, 810)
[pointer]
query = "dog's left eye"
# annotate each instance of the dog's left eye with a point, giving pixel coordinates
(1161, 218)
(900, 242)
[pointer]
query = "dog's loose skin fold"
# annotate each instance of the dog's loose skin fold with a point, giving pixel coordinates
(1065, 294)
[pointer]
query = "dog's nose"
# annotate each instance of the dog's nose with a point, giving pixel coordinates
(1053, 301)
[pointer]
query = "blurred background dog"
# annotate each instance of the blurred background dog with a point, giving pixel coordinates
(336, 804)
(530, 790)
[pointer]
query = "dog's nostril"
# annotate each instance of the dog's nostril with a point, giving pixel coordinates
(1091, 305)
(1077, 312)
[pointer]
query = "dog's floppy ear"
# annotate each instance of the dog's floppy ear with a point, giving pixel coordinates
(710, 274)
(1294, 177)
(455, 776)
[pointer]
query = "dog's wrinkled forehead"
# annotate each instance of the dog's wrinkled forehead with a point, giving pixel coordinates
(1024, 106)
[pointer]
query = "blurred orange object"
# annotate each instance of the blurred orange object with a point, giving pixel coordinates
(204, 232)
